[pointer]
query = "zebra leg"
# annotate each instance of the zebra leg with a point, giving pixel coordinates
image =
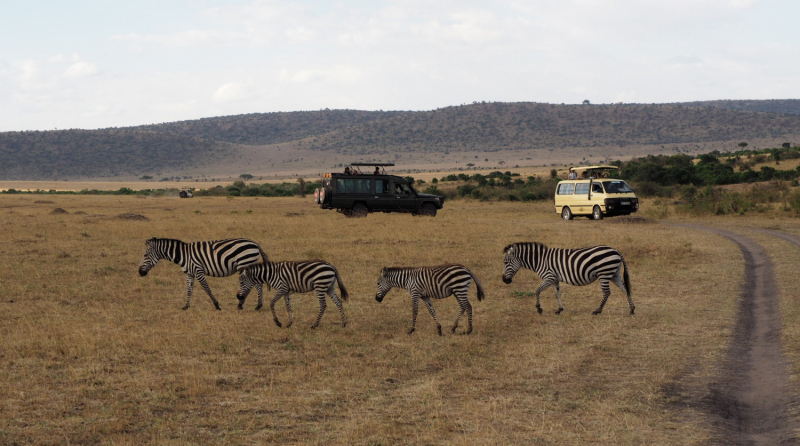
(288, 302)
(463, 302)
(557, 287)
(322, 307)
(260, 290)
(414, 311)
(189, 286)
(278, 295)
(546, 283)
(204, 283)
(621, 285)
(428, 304)
(606, 293)
(338, 303)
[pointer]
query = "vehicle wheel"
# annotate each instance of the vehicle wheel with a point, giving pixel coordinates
(428, 210)
(359, 210)
(322, 196)
(316, 195)
(566, 214)
(597, 214)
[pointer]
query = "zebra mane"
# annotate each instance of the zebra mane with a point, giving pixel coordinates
(507, 248)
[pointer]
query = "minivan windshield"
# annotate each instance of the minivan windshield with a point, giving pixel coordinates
(617, 187)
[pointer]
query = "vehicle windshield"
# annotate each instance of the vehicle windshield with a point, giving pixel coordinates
(617, 187)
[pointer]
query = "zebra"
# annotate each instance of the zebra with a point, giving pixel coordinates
(216, 258)
(295, 277)
(428, 282)
(573, 266)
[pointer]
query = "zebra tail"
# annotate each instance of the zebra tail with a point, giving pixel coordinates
(342, 289)
(263, 255)
(481, 294)
(626, 278)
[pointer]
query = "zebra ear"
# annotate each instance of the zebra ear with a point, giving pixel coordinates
(384, 270)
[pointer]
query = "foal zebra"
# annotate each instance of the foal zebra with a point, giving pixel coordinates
(428, 282)
(295, 277)
(216, 258)
(573, 266)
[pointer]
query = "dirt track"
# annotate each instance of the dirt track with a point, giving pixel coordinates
(751, 401)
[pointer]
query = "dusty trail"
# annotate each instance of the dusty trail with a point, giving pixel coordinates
(752, 401)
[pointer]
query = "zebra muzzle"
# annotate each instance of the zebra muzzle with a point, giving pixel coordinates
(378, 298)
(506, 280)
(142, 272)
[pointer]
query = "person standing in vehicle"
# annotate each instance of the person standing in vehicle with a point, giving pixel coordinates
(572, 174)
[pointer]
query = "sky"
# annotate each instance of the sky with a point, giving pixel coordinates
(95, 64)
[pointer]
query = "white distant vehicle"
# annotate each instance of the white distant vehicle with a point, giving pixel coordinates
(186, 193)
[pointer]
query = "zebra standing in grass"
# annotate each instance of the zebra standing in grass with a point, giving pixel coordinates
(217, 258)
(573, 266)
(293, 277)
(428, 282)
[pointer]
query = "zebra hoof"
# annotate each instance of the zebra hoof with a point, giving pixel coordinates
(596, 312)
(278, 323)
(559, 311)
(632, 310)
(539, 309)
(239, 307)
(258, 307)
(411, 331)
(185, 308)
(439, 329)
(453, 330)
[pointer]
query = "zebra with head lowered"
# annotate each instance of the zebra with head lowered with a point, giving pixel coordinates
(426, 282)
(293, 277)
(216, 258)
(573, 266)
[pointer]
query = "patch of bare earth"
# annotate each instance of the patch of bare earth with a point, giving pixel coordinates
(751, 402)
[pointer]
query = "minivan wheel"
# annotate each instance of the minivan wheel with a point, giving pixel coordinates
(359, 210)
(597, 214)
(566, 214)
(428, 210)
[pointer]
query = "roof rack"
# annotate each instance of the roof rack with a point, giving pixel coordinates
(373, 164)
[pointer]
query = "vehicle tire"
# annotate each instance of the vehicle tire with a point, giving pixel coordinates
(566, 214)
(316, 195)
(428, 210)
(597, 214)
(322, 196)
(359, 211)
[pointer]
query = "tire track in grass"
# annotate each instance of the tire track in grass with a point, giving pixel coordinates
(751, 400)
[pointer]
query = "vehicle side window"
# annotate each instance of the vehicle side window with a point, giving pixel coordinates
(597, 188)
(344, 186)
(581, 188)
(362, 185)
(566, 189)
(402, 189)
(381, 187)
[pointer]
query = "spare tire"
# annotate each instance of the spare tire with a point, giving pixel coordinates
(316, 195)
(322, 196)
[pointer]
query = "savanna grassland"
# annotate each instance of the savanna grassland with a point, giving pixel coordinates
(91, 353)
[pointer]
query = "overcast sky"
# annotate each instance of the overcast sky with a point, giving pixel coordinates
(94, 64)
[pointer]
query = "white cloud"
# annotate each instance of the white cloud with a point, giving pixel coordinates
(231, 91)
(81, 69)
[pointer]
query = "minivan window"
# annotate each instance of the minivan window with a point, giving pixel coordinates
(381, 186)
(597, 188)
(566, 188)
(581, 188)
(617, 187)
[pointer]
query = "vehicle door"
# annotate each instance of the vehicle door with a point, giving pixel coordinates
(381, 199)
(582, 204)
(404, 197)
(564, 196)
(598, 196)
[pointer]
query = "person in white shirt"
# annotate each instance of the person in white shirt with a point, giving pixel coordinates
(572, 174)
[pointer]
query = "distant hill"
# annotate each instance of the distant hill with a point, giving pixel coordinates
(270, 128)
(68, 154)
(286, 142)
(785, 106)
(504, 126)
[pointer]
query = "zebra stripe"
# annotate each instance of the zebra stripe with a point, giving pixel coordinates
(293, 277)
(217, 258)
(572, 266)
(428, 282)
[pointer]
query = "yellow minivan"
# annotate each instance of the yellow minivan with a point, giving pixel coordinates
(594, 195)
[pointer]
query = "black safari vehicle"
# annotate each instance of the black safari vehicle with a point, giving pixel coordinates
(356, 194)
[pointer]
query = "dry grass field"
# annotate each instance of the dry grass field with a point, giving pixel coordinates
(91, 353)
